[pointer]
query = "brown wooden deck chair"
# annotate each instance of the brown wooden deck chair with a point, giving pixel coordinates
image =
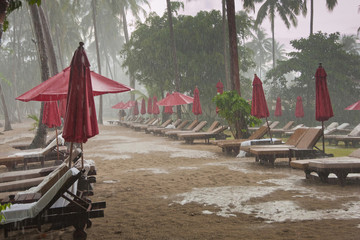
(174, 134)
(150, 129)
(234, 144)
(175, 124)
(190, 137)
(139, 126)
(253, 129)
(26, 144)
(280, 131)
(353, 137)
(179, 127)
(303, 148)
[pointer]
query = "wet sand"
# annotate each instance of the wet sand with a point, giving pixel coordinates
(156, 188)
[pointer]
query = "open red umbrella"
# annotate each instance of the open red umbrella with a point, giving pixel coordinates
(299, 110)
(219, 90)
(155, 109)
(323, 103)
(80, 122)
(56, 87)
(119, 105)
(354, 106)
(168, 109)
(196, 108)
(278, 110)
(51, 118)
(136, 109)
(175, 99)
(143, 107)
(259, 107)
(149, 106)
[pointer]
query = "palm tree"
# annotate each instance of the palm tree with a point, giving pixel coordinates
(287, 10)
(330, 5)
(349, 44)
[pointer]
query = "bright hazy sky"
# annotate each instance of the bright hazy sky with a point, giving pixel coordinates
(345, 18)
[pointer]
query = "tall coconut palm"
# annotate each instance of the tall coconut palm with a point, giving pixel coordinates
(286, 9)
(330, 5)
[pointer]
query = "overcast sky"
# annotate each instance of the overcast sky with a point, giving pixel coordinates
(345, 18)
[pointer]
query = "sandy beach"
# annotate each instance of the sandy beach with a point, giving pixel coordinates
(156, 188)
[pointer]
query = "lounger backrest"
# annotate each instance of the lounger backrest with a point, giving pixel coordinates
(355, 154)
(259, 133)
(332, 125)
(219, 130)
(182, 124)
(177, 122)
(297, 126)
(310, 138)
(50, 138)
(343, 126)
(355, 132)
(213, 126)
(167, 122)
(288, 125)
(51, 146)
(296, 136)
(192, 125)
(274, 124)
(200, 126)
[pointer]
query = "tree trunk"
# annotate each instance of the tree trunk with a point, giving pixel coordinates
(311, 17)
(273, 39)
(227, 78)
(3, 6)
(40, 136)
(234, 59)
(6, 114)
(100, 117)
(173, 48)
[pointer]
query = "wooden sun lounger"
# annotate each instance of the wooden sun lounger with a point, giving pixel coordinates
(303, 149)
(234, 145)
(190, 137)
(26, 145)
(140, 126)
(280, 131)
(32, 215)
(178, 128)
(174, 134)
(353, 137)
(150, 129)
(158, 130)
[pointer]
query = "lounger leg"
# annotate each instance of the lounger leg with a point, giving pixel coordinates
(323, 176)
(341, 177)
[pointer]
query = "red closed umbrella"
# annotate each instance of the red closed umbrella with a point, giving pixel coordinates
(51, 118)
(62, 108)
(259, 107)
(219, 90)
(299, 110)
(278, 110)
(175, 99)
(168, 109)
(80, 122)
(149, 106)
(136, 109)
(196, 108)
(323, 103)
(354, 106)
(143, 107)
(155, 109)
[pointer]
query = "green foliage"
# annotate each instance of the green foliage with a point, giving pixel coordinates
(3, 207)
(231, 107)
(36, 123)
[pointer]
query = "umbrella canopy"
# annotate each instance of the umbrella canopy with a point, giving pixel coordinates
(62, 108)
(324, 109)
(219, 87)
(259, 107)
(119, 105)
(175, 99)
(143, 107)
(136, 109)
(56, 87)
(354, 106)
(299, 110)
(129, 104)
(80, 122)
(278, 110)
(196, 108)
(155, 109)
(149, 106)
(168, 109)
(51, 115)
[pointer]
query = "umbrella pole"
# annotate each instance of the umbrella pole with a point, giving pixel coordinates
(57, 144)
(269, 129)
(71, 147)
(82, 157)
(323, 138)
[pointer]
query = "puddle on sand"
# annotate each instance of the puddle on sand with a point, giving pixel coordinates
(152, 170)
(108, 156)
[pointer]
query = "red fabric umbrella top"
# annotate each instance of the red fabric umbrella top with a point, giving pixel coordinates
(299, 110)
(80, 122)
(149, 106)
(259, 107)
(143, 107)
(136, 109)
(324, 109)
(62, 108)
(51, 115)
(155, 109)
(119, 105)
(354, 106)
(176, 98)
(196, 108)
(278, 110)
(56, 87)
(220, 87)
(168, 109)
